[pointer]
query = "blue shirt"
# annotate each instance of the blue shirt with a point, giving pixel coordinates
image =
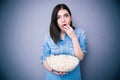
(64, 47)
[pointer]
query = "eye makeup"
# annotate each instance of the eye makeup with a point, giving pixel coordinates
(58, 17)
(66, 15)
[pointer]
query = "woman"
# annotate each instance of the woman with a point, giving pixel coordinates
(63, 39)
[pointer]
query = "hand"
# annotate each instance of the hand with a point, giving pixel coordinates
(70, 32)
(58, 73)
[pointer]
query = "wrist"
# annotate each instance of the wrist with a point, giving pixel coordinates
(74, 38)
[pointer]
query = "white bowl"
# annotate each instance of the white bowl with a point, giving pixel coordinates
(62, 63)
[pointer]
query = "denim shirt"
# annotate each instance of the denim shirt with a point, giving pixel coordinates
(63, 46)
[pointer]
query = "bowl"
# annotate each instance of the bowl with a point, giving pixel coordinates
(62, 63)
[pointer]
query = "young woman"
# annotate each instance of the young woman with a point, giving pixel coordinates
(63, 39)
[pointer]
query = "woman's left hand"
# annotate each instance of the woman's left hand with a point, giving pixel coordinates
(59, 73)
(70, 32)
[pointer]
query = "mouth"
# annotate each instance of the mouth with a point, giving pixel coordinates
(63, 25)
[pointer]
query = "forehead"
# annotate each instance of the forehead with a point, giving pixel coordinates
(62, 12)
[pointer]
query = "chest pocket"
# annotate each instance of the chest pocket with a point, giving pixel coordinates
(55, 50)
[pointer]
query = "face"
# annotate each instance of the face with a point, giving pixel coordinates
(63, 18)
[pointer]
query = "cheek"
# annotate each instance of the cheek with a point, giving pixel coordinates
(58, 22)
(69, 20)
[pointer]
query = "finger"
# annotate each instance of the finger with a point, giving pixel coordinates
(66, 30)
(64, 72)
(65, 27)
(61, 72)
(56, 73)
(69, 27)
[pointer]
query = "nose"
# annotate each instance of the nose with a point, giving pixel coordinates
(63, 20)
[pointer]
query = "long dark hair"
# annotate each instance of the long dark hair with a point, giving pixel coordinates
(54, 29)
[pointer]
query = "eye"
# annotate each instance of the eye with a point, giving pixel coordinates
(66, 15)
(58, 17)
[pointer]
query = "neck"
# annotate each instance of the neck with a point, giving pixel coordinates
(62, 34)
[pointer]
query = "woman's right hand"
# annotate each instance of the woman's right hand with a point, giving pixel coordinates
(51, 70)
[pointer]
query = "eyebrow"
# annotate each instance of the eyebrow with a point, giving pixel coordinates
(64, 14)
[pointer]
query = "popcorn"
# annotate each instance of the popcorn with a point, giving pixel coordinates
(62, 63)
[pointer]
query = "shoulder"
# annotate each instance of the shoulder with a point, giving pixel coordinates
(47, 36)
(48, 39)
(79, 31)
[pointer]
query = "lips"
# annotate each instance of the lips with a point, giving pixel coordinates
(64, 24)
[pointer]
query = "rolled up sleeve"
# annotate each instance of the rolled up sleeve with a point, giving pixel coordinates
(83, 42)
(45, 50)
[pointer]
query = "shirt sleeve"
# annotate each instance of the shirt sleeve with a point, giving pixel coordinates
(45, 50)
(82, 41)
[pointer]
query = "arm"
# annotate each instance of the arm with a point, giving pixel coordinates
(51, 70)
(77, 49)
(46, 66)
(45, 52)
